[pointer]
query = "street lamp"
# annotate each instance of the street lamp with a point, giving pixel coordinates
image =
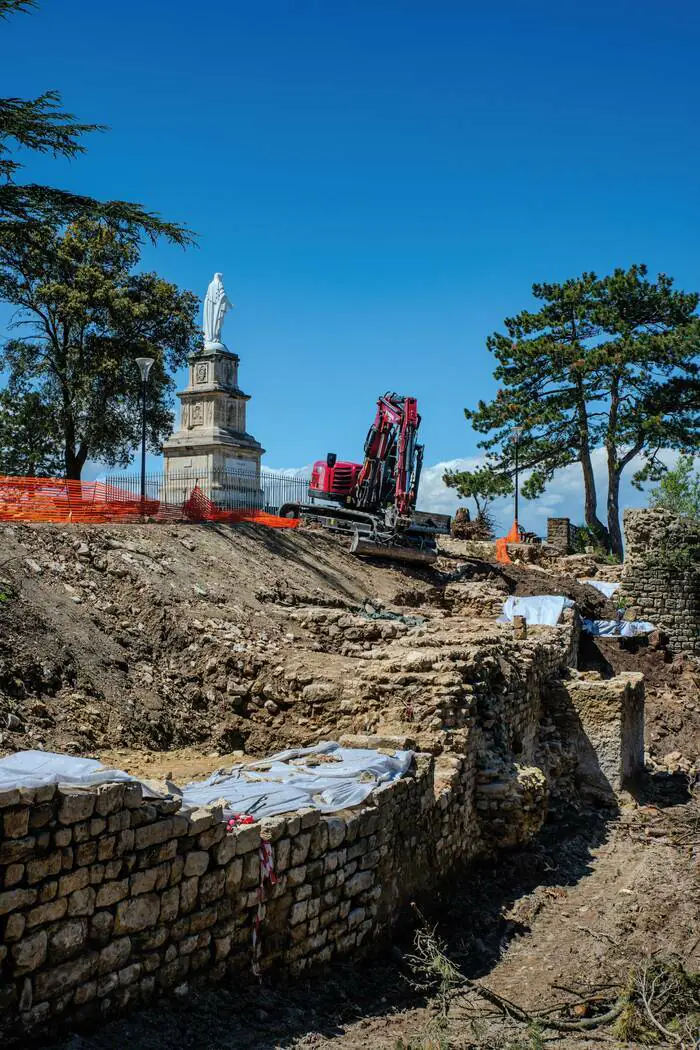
(145, 364)
(517, 434)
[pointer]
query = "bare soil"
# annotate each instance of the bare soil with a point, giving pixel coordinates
(112, 641)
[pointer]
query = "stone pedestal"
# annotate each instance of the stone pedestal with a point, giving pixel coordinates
(212, 440)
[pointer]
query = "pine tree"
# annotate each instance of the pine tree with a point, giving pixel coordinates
(40, 124)
(605, 363)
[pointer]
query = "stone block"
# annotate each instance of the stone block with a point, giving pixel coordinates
(199, 820)
(14, 873)
(14, 900)
(75, 805)
(119, 821)
(82, 902)
(247, 838)
(358, 883)
(15, 822)
(137, 914)
(251, 870)
(30, 953)
(12, 851)
(272, 828)
(51, 912)
(300, 849)
(189, 889)
(211, 886)
(202, 920)
(111, 892)
(110, 798)
(66, 939)
(153, 834)
(106, 847)
(9, 797)
(133, 795)
(14, 927)
(129, 974)
(234, 875)
(197, 862)
(211, 836)
(85, 854)
(336, 831)
(43, 867)
(51, 983)
(77, 880)
(224, 852)
(86, 993)
(114, 955)
(170, 904)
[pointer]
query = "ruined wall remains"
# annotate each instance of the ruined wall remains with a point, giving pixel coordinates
(562, 535)
(602, 722)
(661, 577)
(108, 899)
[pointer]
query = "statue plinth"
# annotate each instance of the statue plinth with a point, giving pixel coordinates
(212, 438)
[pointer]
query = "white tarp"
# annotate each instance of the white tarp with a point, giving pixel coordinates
(618, 628)
(34, 768)
(326, 777)
(539, 609)
(604, 586)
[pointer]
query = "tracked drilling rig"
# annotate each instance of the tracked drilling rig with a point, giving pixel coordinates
(375, 501)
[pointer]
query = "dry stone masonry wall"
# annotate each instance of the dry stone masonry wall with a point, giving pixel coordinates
(108, 899)
(661, 578)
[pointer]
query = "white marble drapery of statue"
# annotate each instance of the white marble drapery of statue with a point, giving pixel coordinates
(216, 303)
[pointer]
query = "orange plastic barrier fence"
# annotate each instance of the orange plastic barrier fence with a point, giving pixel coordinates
(93, 502)
(502, 544)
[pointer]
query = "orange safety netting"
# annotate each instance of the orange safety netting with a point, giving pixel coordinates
(93, 502)
(502, 543)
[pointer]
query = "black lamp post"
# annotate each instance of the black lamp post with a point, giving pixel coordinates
(517, 433)
(144, 364)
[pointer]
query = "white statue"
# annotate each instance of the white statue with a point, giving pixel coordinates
(216, 303)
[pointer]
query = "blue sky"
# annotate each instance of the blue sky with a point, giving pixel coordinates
(380, 182)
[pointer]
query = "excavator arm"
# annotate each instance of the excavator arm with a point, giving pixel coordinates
(393, 458)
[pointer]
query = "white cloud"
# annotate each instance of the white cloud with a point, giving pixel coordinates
(563, 498)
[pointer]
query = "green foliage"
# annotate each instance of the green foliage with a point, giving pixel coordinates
(84, 315)
(679, 489)
(604, 362)
(483, 485)
(41, 125)
(30, 437)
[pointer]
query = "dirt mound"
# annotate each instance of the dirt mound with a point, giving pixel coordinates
(162, 636)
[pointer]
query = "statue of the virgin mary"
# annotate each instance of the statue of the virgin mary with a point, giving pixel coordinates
(216, 303)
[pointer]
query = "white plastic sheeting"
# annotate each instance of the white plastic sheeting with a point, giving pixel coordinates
(604, 586)
(325, 777)
(540, 609)
(35, 768)
(618, 628)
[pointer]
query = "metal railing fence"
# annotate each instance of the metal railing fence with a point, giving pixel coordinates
(228, 489)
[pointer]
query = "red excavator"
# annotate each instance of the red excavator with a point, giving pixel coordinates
(375, 500)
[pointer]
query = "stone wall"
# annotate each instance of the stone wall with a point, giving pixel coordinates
(562, 534)
(108, 899)
(602, 724)
(661, 577)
